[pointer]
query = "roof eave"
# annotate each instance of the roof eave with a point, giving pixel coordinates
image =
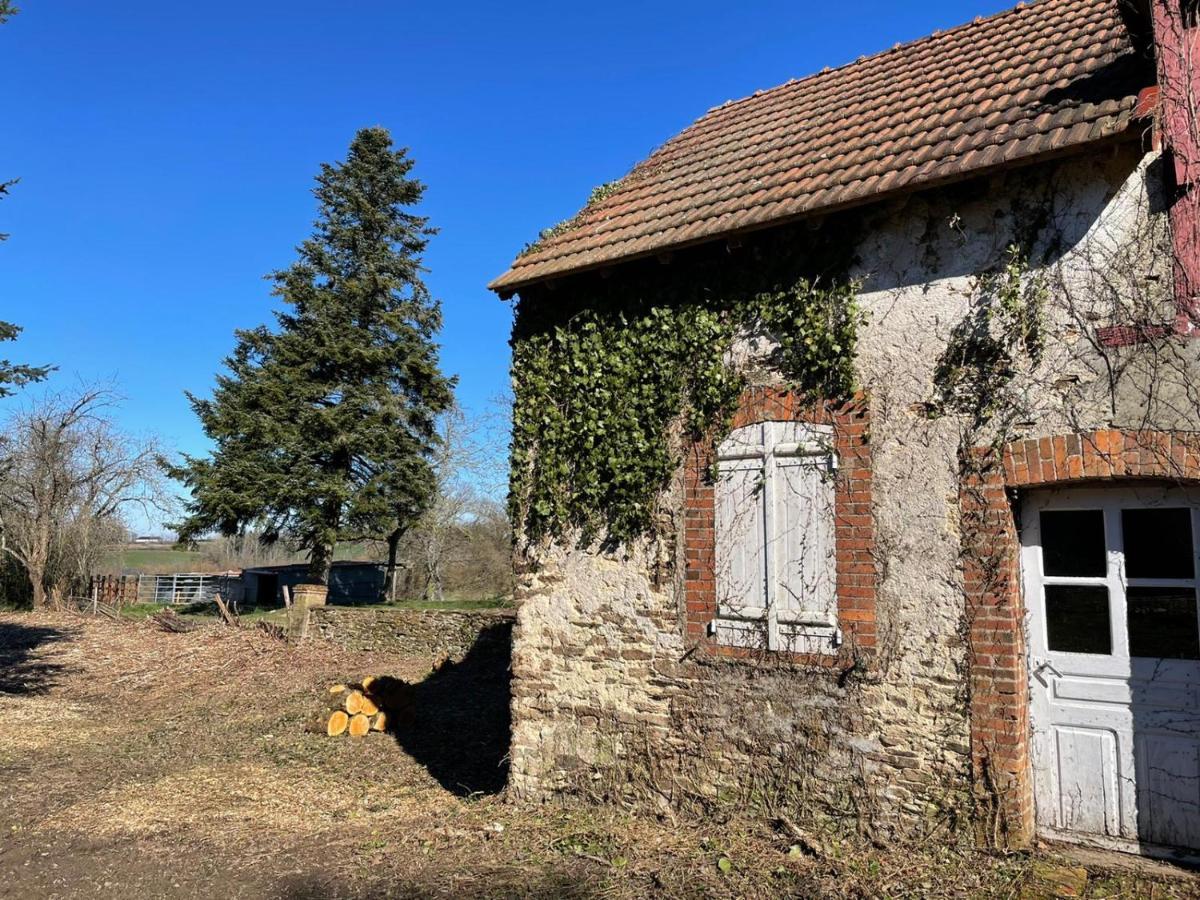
(510, 283)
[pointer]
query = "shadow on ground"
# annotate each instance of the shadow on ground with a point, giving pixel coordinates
(460, 727)
(22, 671)
(536, 886)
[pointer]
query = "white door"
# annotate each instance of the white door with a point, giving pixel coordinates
(1114, 660)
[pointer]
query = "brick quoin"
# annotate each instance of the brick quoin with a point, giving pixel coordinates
(1176, 43)
(999, 683)
(854, 527)
(1172, 102)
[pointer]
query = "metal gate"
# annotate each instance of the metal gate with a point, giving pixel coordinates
(181, 588)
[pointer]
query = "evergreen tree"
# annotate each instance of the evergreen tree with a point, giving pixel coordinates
(13, 375)
(324, 427)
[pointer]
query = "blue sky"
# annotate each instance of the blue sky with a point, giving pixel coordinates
(166, 152)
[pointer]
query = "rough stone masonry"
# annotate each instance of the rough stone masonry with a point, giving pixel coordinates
(613, 696)
(435, 633)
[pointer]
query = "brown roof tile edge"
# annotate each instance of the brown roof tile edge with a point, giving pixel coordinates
(672, 199)
(1045, 146)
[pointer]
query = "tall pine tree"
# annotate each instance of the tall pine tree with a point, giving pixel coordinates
(13, 375)
(324, 426)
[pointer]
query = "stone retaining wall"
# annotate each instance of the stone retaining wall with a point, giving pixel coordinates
(414, 632)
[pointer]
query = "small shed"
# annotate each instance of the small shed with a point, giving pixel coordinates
(349, 582)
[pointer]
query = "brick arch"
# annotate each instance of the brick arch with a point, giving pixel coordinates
(995, 606)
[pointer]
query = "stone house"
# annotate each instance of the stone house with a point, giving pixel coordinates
(929, 557)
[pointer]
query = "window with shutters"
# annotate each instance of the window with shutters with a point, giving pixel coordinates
(775, 555)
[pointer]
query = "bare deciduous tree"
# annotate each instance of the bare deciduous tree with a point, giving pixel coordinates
(83, 545)
(458, 456)
(246, 550)
(66, 476)
(462, 529)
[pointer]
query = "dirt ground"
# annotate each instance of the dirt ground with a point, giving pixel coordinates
(140, 763)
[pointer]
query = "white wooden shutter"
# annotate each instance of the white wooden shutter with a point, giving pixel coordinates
(741, 576)
(804, 561)
(776, 567)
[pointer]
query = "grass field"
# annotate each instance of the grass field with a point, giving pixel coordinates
(155, 559)
(152, 559)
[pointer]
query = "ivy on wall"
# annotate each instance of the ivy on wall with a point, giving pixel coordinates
(610, 374)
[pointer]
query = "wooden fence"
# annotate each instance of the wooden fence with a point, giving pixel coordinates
(115, 590)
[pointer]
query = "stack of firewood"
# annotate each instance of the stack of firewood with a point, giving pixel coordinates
(377, 703)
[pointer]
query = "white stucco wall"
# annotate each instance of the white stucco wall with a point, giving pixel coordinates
(608, 695)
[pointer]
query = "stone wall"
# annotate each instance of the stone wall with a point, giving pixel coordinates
(612, 697)
(434, 633)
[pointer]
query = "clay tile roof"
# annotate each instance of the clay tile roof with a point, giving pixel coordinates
(1047, 77)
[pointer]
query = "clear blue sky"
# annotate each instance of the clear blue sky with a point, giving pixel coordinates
(166, 152)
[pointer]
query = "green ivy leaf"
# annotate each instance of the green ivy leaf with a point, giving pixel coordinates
(596, 395)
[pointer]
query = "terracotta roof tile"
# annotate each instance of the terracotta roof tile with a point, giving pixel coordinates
(1039, 78)
(1046, 77)
(880, 124)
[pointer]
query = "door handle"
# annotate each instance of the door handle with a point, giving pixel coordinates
(1046, 666)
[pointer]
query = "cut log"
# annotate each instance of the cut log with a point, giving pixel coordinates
(366, 684)
(359, 725)
(368, 707)
(379, 723)
(354, 702)
(337, 723)
(337, 689)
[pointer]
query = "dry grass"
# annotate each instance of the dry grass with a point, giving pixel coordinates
(31, 725)
(139, 763)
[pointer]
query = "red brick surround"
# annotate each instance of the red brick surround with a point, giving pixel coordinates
(992, 580)
(854, 525)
